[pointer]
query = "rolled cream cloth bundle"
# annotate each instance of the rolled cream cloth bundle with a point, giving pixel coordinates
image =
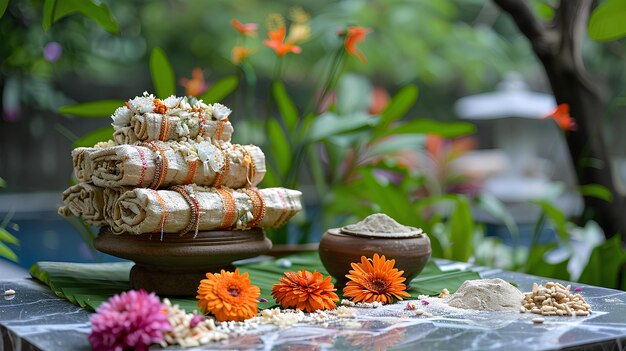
(184, 209)
(110, 197)
(146, 118)
(84, 200)
(125, 135)
(81, 166)
(162, 164)
(154, 126)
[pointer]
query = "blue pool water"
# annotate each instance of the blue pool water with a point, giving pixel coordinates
(45, 236)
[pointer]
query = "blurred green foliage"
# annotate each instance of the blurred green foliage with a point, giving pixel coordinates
(5, 236)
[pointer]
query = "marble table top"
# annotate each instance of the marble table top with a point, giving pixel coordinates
(35, 319)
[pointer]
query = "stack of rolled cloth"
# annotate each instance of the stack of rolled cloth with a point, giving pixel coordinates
(171, 168)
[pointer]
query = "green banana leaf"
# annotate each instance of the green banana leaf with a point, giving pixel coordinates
(90, 284)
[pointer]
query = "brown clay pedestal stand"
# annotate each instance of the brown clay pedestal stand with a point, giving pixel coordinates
(175, 265)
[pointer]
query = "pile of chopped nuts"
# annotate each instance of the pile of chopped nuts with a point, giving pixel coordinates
(554, 300)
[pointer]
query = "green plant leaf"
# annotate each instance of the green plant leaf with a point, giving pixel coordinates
(279, 146)
(605, 263)
(397, 143)
(286, 107)
(8, 237)
(97, 109)
(329, 124)
(607, 21)
(461, 226)
(543, 9)
(557, 217)
(537, 265)
(270, 180)
(162, 74)
(220, 90)
(496, 208)
(399, 105)
(597, 191)
(48, 13)
(94, 137)
(429, 126)
(7, 253)
(3, 183)
(54, 10)
(432, 285)
(353, 94)
(3, 7)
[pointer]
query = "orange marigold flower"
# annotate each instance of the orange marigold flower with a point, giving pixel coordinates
(277, 42)
(248, 29)
(305, 291)
(196, 85)
(239, 54)
(355, 35)
(375, 280)
(228, 296)
(562, 117)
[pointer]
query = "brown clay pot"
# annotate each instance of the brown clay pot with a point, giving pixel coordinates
(175, 265)
(338, 249)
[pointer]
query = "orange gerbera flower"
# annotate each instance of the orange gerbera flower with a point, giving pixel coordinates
(248, 29)
(375, 280)
(305, 291)
(277, 42)
(562, 117)
(228, 296)
(355, 35)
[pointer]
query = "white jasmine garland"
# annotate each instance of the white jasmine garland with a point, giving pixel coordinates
(172, 101)
(182, 129)
(200, 104)
(184, 104)
(121, 117)
(143, 104)
(220, 111)
(208, 154)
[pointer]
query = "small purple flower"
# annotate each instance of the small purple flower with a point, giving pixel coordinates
(11, 114)
(195, 320)
(578, 288)
(52, 51)
(130, 320)
(424, 302)
(262, 299)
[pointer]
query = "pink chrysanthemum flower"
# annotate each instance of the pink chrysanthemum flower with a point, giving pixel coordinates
(131, 320)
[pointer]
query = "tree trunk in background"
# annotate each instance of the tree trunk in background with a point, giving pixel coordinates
(558, 46)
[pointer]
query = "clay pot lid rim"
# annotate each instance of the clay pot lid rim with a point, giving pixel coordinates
(414, 233)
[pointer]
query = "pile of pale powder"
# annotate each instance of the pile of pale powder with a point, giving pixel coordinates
(378, 223)
(487, 295)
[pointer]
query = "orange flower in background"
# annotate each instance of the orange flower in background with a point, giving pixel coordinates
(277, 42)
(248, 29)
(443, 150)
(239, 54)
(562, 117)
(355, 35)
(228, 296)
(196, 85)
(305, 291)
(378, 100)
(375, 280)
